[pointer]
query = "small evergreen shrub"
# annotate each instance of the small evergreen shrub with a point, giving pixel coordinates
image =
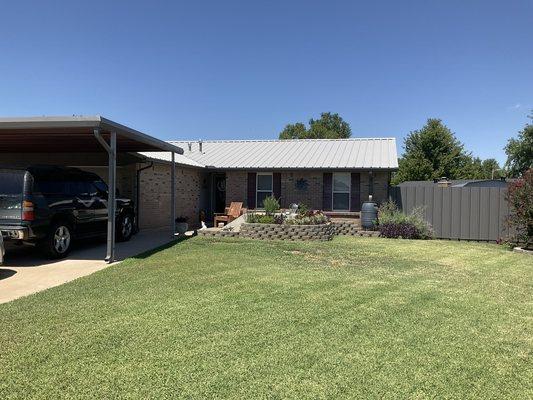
(271, 205)
(392, 223)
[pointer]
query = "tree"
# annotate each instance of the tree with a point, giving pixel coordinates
(520, 151)
(484, 169)
(293, 131)
(520, 199)
(432, 152)
(328, 126)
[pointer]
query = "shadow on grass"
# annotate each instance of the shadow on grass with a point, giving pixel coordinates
(168, 245)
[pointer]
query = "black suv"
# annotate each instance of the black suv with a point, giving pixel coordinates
(50, 206)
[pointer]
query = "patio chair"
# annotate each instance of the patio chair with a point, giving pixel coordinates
(233, 212)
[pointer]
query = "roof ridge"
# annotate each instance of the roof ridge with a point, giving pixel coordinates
(278, 140)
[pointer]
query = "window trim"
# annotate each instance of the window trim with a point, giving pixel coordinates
(257, 190)
(349, 191)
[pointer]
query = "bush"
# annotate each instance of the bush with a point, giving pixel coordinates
(308, 218)
(392, 223)
(254, 218)
(303, 210)
(271, 205)
(520, 199)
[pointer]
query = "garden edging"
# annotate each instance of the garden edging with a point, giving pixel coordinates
(322, 232)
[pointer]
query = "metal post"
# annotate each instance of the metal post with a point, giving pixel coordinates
(173, 195)
(111, 149)
(111, 201)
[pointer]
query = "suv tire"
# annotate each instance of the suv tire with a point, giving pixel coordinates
(125, 227)
(58, 242)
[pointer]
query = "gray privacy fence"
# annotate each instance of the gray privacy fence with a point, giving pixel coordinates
(465, 213)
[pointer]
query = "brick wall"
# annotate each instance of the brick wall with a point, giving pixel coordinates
(380, 186)
(155, 195)
(302, 187)
(236, 187)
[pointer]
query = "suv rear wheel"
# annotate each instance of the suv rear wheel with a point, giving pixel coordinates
(58, 242)
(124, 227)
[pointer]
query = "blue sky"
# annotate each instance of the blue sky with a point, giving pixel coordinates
(244, 69)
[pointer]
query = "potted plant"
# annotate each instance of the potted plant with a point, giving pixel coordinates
(181, 225)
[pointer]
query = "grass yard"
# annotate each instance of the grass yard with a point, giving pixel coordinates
(353, 318)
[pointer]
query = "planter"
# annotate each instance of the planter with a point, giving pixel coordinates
(321, 232)
(182, 227)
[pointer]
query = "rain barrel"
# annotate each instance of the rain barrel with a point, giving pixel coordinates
(369, 213)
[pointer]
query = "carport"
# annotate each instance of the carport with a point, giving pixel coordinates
(85, 134)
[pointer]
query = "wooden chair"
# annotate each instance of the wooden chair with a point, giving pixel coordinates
(233, 212)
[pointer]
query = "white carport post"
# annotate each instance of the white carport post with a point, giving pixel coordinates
(173, 194)
(111, 149)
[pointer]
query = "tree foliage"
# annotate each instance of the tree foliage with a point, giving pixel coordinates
(294, 131)
(328, 126)
(520, 199)
(520, 151)
(434, 152)
(484, 169)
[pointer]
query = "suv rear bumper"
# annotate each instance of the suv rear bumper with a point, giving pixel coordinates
(15, 232)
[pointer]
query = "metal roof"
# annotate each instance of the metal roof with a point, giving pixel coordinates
(72, 134)
(179, 159)
(357, 153)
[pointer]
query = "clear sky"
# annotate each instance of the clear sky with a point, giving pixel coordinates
(244, 69)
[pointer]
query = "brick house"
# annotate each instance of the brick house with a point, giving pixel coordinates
(334, 175)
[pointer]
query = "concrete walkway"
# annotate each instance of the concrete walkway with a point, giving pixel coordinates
(26, 271)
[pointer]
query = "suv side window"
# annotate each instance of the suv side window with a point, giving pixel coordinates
(51, 186)
(76, 185)
(101, 187)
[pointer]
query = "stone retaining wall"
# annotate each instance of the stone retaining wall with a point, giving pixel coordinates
(287, 232)
(290, 232)
(346, 228)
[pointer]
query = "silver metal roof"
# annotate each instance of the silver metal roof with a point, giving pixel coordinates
(179, 159)
(358, 153)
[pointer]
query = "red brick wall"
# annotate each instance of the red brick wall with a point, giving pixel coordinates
(155, 195)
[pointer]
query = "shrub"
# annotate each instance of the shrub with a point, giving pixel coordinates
(309, 218)
(520, 199)
(254, 218)
(303, 210)
(392, 223)
(181, 220)
(271, 205)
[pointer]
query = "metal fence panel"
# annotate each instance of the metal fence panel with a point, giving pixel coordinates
(459, 212)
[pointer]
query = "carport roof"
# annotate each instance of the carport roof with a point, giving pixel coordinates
(72, 134)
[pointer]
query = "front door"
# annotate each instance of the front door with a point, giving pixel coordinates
(219, 192)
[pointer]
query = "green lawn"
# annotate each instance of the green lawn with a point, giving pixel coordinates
(352, 318)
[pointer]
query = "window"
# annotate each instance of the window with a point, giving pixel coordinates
(264, 188)
(78, 188)
(101, 187)
(341, 192)
(51, 187)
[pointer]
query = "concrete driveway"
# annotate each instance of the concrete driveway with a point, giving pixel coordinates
(26, 271)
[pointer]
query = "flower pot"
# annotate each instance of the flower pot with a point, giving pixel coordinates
(182, 227)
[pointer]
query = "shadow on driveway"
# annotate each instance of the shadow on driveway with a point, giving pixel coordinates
(6, 273)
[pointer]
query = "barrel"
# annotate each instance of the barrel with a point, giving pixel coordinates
(369, 213)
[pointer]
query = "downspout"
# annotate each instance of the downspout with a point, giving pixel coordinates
(138, 194)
